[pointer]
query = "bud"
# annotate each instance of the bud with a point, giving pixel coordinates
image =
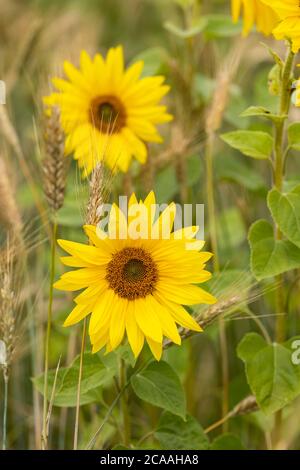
(274, 80)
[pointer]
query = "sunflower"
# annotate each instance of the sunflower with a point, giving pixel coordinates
(289, 27)
(254, 12)
(136, 285)
(107, 111)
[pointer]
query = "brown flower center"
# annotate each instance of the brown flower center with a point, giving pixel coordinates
(132, 273)
(107, 114)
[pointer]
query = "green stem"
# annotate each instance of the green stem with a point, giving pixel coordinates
(285, 99)
(216, 264)
(79, 385)
(211, 200)
(48, 335)
(5, 401)
(124, 405)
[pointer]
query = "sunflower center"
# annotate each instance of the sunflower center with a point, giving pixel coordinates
(132, 273)
(107, 114)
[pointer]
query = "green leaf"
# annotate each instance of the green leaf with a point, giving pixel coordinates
(186, 33)
(285, 209)
(262, 112)
(174, 433)
(270, 257)
(237, 170)
(153, 59)
(95, 375)
(227, 441)
(220, 26)
(255, 144)
(184, 3)
(165, 185)
(178, 357)
(231, 228)
(272, 377)
(294, 135)
(159, 385)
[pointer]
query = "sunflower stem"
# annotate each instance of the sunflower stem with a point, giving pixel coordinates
(124, 405)
(211, 200)
(76, 428)
(216, 265)
(48, 334)
(279, 153)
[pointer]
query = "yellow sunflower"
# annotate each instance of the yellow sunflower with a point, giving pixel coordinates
(136, 285)
(107, 111)
(254, 12)
(289, 27)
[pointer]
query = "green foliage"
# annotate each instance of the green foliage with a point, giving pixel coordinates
(270, 257)
(255, 144)
(294, 135)
(272, 377)
(227, 441)
(285, 209)
(260, 111)
(153, 58)
(174, 433)
(220, 26)
(232, 169)
(186, 33)
(159, 385)
(95, 377)
(212, 27)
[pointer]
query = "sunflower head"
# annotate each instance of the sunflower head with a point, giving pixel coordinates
(136, 284)
(255, 12)
(109, 112)
(288, 12)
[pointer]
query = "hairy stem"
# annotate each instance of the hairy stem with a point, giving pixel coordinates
(48, 335)
(285, 99)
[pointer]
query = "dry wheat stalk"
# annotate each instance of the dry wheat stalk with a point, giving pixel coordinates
(96, 195)
(221, 95)
(54, 164)
(8, 305)
(248, 405)
(207, 318)
(10, 216)
(93, 216)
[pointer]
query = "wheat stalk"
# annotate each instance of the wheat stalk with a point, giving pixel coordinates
(54, 164)
(55, 173)
(96, 195)
(10, 216)
(95, 202)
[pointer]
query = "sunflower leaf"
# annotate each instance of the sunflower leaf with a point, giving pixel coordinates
(270, 257)
(227, 441)
(95, 375)
(285, 209)
(174, 433)
(255, 144)
(272, 376)
(294, 135)
(262, 112)
(159, 385)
